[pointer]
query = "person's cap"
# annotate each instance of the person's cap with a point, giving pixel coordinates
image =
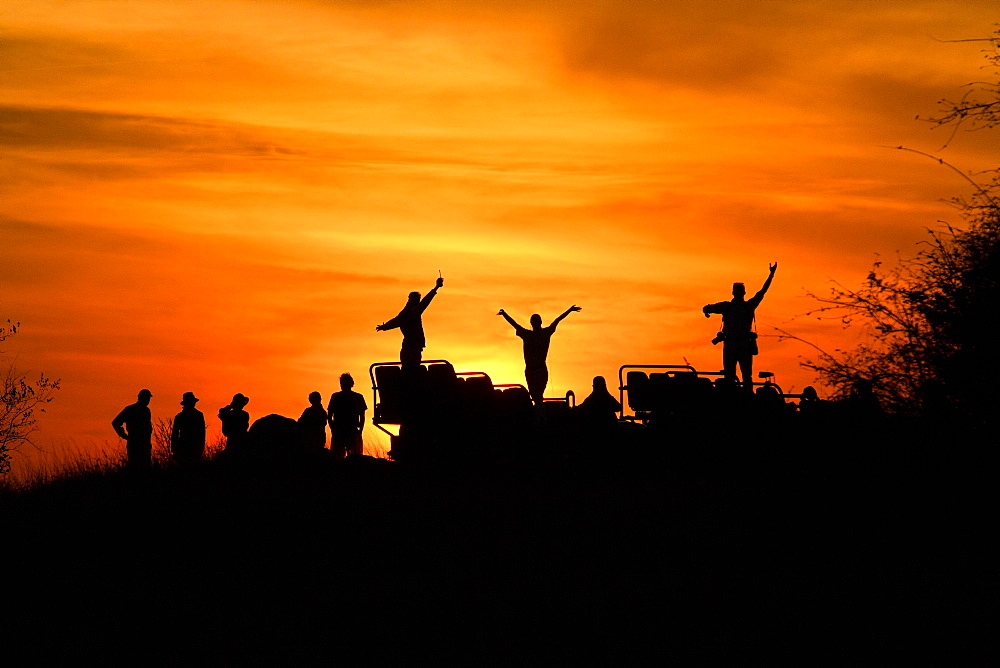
(189, 398)
(239, 398)
(146, 393)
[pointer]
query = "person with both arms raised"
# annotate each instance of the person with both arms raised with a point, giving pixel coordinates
(536, 350)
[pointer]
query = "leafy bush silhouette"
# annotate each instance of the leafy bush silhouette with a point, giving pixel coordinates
(929, 323)
(20, 402)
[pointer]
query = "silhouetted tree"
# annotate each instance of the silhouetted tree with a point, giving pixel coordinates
(930, 320)
(163, 430)
(18, 405)
(979, 106)
(930, 323)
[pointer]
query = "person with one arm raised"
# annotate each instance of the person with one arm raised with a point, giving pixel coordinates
(739, 341)
(536, 350)
(410, 323)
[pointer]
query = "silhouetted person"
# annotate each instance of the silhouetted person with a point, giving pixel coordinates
(595, 424)
(809, 401)
(135, 425)
(313, 423)
(235, 422)
(739, 341)
(187, 440)
(861, 400)
(599, 409)
(346, 413)
(536, 349)
(768, 400)
(411, 324)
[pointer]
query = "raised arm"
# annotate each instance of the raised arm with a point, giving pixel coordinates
(426, 301)
(565, 313)
(509, 319)
(767, 284)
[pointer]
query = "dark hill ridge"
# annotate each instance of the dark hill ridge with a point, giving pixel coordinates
(782, 547)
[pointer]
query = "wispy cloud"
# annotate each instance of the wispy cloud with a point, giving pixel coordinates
(230, 196)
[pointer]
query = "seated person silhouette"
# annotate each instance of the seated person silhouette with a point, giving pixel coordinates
(346, 415)
(313, 423)
(187, 438)
(135, 424)
(862, 401)
(739, 341)
(235, 422)
(809, 399)
(536, 350)
(600, 408)
(410, 323)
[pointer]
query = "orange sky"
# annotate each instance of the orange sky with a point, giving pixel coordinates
(229, 196)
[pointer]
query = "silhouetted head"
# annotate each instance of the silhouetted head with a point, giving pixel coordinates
(767, 391)
(315, 398)
(144, 397)
(189, 399)
(739, 290)
(346, 381)
(536, 321)
(239, 401)
(413, 298)
(600, 384)
(809, 393)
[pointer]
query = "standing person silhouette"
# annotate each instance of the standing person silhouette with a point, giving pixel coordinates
(187, 438)
(411, 324)
(346, 414)
(739, 341)
(313, 422)
(135, 425)
(235, 422)
(536, 349)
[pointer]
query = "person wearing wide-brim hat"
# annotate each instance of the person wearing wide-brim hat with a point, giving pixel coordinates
(235, 422)
(187, 440)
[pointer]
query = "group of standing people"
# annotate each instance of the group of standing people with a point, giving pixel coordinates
(344, 416)
(345, 412)
(536, 340)
(738, 335)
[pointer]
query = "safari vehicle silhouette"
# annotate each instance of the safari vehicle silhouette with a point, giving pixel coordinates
(654, 392)
(432, 409)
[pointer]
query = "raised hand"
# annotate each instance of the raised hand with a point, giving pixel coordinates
(774, 267)
(574, 307)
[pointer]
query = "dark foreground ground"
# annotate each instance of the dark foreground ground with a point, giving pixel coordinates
(864, 545)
